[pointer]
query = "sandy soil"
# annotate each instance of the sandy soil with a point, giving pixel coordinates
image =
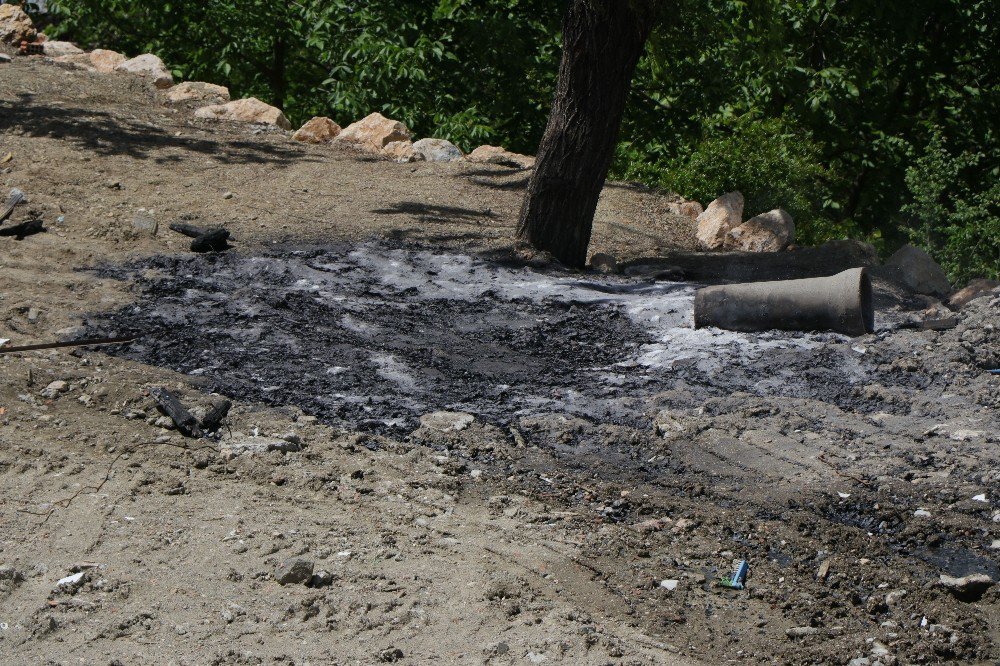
(542, 538)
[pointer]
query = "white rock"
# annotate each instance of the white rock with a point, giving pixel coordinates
(438, 150)
(70, 580)
(669, 584)
(772, 231)
(981, 497)
(922, 513)
(244, 445)
(501, 156)
(149, 66)
(447, 421)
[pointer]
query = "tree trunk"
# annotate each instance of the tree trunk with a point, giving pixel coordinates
(602, 42)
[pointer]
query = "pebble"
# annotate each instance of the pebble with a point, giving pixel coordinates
(669, 584)
(294, 570)
(54, 389)
(922, 513)
(4, 57)
(801, 632)
(227, 195)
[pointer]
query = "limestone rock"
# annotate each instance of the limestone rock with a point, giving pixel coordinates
(975, 289)
(198, 91)
(967, 588)
(149, 66)
(319, 129)
(914, 269)
(772, 231)
(243, 445)
(372, 133)
(401, 151)
(60, 49)
(98, 60)
(438, 150)
(501, 156)
(722, 216)
(447, 421)
(15, 25)
(250, 110)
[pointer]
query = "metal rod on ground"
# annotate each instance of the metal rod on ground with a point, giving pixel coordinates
(59, 345)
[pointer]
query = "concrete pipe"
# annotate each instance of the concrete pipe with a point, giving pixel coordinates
(841, 302)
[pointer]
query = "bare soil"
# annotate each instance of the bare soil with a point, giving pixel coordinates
(612, 448)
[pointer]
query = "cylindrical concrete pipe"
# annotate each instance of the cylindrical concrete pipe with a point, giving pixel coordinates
(841, 302)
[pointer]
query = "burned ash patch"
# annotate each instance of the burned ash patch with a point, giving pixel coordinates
(372, 336)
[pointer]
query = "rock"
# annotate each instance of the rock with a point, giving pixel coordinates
(54, 389)
(402, 152)
(98, 60)
(319, 129)
(149, 66)
(772, 231)
(914, 269)
(372, 133)
(972, 291)
(686, 208)
(859, 661)
(390, 655)
(894, 597)
(967, 588)
(145, 223)
(722, 216)
(59, 49)
(197, 91)
(15, 25)
(244, 445)
(293, 571)
(447, 421)
(438, 150)
(603, 263)
(669, 584)
(683, 525)
(250, 110)
(652, 525)
(500, 156)
(4, 58)
(801, 632)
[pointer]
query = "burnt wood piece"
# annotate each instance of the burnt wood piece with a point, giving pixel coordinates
(213, 416)
(23, 230)
(15, 197)
(185, 421)
(59, 345)
(206, 239)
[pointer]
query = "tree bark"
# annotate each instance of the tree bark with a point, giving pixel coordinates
(602, 42)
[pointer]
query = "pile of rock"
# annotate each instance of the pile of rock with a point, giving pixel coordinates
(721, 227)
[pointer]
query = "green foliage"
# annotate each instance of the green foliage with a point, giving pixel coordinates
(957, 224)
(773, 163)
(827, 108)
(467, 71)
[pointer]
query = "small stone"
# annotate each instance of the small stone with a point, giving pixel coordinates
(321, 579)
(965, 435)
(390, 655)
(164, 422)
(683, 525)
(54, 389)
(4, 58)
(447, 421)
(56, 49)
(824, 571)
(922, 513)
(967, 588)
(670, 584)
(244, 445)
(801, 632)
(145, 223)
(401, 152)
(438, 150)
(293, 571)
(500, 156)
(894, 597)
(227, 195)
(979, 498)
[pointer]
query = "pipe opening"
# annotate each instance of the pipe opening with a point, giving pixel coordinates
(867, 311)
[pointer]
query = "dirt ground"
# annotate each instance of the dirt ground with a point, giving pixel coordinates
(850, 474)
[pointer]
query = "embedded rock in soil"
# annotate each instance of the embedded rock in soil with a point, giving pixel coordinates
(149, 66)
(293, 571)
(914, 269)
(967, 588)
(250, 110)
(319, 129)
(199, 91)
(372, 133)
(101, 61)
(437, 150)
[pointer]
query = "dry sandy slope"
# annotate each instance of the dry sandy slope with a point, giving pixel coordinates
(532, 558)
